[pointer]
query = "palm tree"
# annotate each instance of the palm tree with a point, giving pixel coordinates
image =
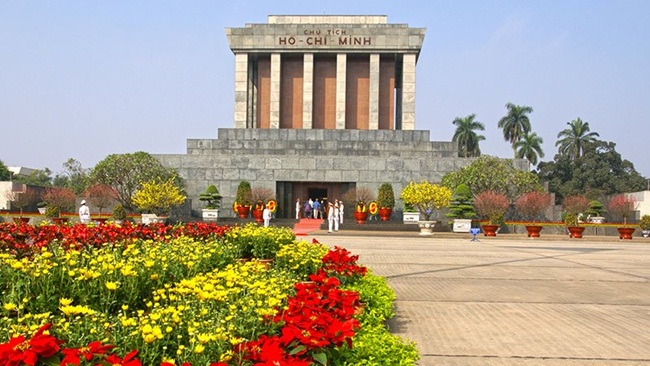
(573, 140)
(466, 137)
(530, 147)
(515, 124)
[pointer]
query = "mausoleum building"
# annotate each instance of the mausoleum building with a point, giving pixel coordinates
(323, 104)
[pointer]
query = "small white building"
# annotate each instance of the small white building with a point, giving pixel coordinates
(643, 200)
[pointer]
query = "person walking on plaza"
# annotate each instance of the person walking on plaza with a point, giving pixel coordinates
(316, 209)
(266, 215)
(307, 210)
(84, 213)
(341, 212)
(297, 208)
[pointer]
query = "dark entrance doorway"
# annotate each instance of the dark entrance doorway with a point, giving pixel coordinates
(288, 192)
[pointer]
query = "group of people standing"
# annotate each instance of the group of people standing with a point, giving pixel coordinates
(315, 209)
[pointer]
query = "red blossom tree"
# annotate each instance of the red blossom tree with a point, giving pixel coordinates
(622, 205)
(61, 198)
(533, 204)
(101, 196)
(573, 207)
(491, 205)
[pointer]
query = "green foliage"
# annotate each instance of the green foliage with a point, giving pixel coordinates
(52, 211)
(529, 147)
(596, 208)
(465, 136)
(644, 223)
(39, 178)
(125, 172)
(599, 172)
(489, 173)
(576, 139)
(461, 206)
(119, 213)
(244, 195)
(158, 196)
(74, 176)
(386, 196)
(515, 124)
(373, 343)
(212, 197)
(5, 174)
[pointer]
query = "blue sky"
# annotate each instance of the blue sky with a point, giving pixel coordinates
(85, 79)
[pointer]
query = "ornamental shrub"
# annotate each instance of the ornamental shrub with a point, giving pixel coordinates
(426, 197)
(212, 197)
(386, 196)
(461, 206)
(622, 205)
(574, 207)
(492, 206)
(596, 208)
(533, 204)
(244, 195)
(157, 196)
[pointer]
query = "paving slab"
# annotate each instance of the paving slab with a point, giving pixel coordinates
(512, 300)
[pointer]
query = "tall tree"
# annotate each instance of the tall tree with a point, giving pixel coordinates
(573, 140)
(5, 174)
(515, 124)
(126, 172)
(74, 176)
(601, 171)
(530, 147)
(466, 137)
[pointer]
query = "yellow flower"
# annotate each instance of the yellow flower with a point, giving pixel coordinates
(65, 302)
(112, 285)
(9, 306)
(199, 348)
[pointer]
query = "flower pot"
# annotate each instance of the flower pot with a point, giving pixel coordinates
(384, 213)
(533, 230)
(575, 231)
(645, 233)
(490, 230)
(258, 216)
(625, 232)
(59, 220)
(426, 227)
(361, 217)
(21, 220)
(242, 211)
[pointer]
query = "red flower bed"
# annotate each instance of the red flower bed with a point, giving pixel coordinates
(23, 240)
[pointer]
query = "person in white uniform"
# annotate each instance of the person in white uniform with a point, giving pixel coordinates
(84, 213)
(266, 215)
(297, 208)
(341, 212)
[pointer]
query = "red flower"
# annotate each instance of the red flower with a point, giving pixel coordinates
(21, 351)
(128, 360)
(72, 356)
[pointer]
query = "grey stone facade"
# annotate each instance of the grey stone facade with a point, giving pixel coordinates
(267, 156)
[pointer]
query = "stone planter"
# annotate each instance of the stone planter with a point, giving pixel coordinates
(153, 219)
(426, 227)
(533, 230)
(645, 233)
(575, 231)
(490, 230)
(411, 217)
(462, 225)
(597, 219)
(625, 232)
(210, 214)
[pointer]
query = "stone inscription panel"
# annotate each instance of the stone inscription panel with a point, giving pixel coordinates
(314, 37)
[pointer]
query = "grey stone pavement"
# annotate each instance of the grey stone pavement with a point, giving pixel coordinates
(512, 300)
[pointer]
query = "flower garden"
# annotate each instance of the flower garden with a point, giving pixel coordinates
(193, 294)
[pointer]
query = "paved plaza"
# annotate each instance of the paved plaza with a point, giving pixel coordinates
(511, 300)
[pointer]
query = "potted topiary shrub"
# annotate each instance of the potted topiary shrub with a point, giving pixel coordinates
(461, 209)
(119, 213)
(491, 205)
(156, 198)
(532, 205)
(574, 207)
(212, 200)
(243, 199)
(595, 212)
(385, 201)
(260, 196)
(644, 224)
(623, 205)
(427, 198)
